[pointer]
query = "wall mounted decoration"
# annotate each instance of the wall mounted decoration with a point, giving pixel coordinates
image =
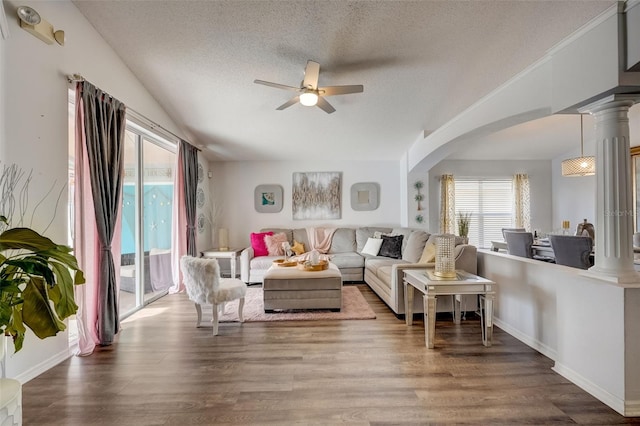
(268, 198)
(365, 196)
(419, 197)
(200, 173)
(316, 195)
(201, 223)
(200, 198)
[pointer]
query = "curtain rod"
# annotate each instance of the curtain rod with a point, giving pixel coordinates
(73, 78)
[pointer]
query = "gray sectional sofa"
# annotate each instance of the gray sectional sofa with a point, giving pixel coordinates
(383, 274)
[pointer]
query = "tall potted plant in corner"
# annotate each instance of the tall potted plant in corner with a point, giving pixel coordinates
(36, 275)
(464, 220)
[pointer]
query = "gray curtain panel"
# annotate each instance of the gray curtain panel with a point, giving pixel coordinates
(104, 122)
(190, 170)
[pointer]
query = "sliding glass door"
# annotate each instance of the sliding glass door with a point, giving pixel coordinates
(146, 219)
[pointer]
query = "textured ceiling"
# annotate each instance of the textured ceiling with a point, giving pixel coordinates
(421, 64)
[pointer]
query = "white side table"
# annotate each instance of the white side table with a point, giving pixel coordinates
(430, 287)
(231, 254)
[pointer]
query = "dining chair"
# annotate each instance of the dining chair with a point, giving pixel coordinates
(571, 250)
(205, 287)
(519, 243)
(511, 230)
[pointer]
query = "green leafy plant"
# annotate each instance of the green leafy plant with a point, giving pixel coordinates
(464, 220)
(36, 275)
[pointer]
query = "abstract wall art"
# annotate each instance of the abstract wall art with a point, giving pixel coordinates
(316, 195)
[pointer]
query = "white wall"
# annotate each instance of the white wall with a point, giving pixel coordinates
(235, 182)
(539, 172)
(587, 326)
(35, 133)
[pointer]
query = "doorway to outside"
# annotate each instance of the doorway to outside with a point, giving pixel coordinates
(147, 204)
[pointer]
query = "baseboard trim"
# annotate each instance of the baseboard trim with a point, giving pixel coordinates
(38, 369)
(626, 408)
(526, 339)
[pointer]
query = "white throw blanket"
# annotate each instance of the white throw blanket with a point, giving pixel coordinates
(320, 241)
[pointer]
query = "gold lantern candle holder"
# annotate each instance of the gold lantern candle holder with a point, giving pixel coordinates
(445, 256)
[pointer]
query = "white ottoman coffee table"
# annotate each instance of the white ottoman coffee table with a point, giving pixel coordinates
(291, 288)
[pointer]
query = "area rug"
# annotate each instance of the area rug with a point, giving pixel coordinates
(354, 307)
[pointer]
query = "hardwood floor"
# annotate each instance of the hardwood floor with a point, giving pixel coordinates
(164, 371)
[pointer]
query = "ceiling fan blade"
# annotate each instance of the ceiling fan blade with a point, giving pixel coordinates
(276, 85)
(311, 73)
(290, 102)
(341, 90)
(324, 105)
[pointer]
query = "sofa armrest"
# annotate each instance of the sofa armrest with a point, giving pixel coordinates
(397, 271)
(467, 258)
(245, 262)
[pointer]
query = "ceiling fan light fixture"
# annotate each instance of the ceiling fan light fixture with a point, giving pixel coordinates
(309, 98)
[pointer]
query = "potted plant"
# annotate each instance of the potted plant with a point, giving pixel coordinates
(36, 275)
(464, 220)
(36, 287)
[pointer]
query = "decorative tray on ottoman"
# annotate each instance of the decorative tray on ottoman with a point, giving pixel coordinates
(284, 263)
(307, 266)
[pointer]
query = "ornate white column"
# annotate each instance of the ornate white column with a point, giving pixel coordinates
(614, 200)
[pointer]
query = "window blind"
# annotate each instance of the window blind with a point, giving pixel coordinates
(490, 202)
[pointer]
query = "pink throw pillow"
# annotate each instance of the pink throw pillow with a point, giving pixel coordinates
(258, 244)
(274, 243)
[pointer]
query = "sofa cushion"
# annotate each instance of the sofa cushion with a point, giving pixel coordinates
(263, 262)
(286, 231)
(372, 247)
(274, 243)
(405, 232)
(300, 234)
(258, 244)
(391, 246)
(347, 260)
(414, 246)
(362, 234)
(375, 263)
(343, 241)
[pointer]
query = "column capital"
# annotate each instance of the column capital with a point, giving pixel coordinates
(611, 101)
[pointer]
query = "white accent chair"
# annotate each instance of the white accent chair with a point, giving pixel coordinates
(205, 287)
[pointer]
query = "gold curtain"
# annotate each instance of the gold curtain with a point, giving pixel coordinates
(447, 204)
(521, 198)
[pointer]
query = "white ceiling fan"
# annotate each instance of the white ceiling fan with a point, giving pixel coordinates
(309, 92)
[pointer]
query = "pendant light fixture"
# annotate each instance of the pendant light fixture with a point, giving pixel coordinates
(579, 166)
